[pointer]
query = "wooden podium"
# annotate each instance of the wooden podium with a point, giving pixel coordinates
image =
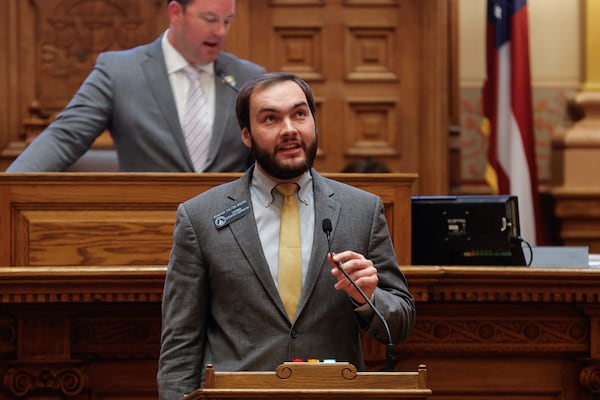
(314, 381)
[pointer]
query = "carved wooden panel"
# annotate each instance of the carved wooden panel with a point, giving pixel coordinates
(116, 338)
(8, 335)
(372, 128)
(299, 51)
(376, 50)
(71, 33)
(32, 380)
(371, 53)
(350, 52)
(483, 332)
(457, 332)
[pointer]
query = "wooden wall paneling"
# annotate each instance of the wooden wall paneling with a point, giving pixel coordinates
(373, 80)
(5, 65)
(240, 38)
(146, 232)
(56, 43)
(378, 69)
(433, 149)
(74, 219)
(18, 64)
(409, 55)
(289, 36)
(378, 72)
(454, 145)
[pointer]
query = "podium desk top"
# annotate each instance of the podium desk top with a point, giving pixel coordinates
(314, 380)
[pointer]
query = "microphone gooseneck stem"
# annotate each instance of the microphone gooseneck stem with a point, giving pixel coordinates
(390, 353)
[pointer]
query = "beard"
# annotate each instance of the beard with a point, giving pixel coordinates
(277, 170)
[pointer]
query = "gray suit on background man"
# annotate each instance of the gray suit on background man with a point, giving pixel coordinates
(129, 93)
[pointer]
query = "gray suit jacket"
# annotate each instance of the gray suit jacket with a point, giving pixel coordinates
(221, 305)
(129, 93)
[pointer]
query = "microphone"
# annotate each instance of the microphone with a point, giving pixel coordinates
(390, 354)
(227, 80)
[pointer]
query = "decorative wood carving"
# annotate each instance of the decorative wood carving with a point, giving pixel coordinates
(45, 378)
(481, 334)
(313, 381)
(8, 335)
(71, 33)
(590, 378)
(520, 344)
(116, 338)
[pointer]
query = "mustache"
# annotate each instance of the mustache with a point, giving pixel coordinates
(267, 159)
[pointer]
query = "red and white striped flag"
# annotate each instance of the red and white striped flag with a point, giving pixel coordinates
(508, 112)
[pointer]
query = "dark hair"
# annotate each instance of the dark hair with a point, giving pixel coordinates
(242, 106)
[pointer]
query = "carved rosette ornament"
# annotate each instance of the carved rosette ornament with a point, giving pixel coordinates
(26, 381)
(590, 378)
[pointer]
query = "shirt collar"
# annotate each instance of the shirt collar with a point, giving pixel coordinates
(265, 186)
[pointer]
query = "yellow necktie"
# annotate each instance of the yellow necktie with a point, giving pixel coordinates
(289, 281)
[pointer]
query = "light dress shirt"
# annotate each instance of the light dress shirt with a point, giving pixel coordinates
(267, 203)
(175, 63)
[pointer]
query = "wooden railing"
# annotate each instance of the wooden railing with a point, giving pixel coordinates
(78, 219)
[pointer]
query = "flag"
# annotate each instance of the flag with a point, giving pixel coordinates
(508, 112)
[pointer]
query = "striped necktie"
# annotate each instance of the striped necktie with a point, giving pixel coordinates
(196, 124)
(289, 281)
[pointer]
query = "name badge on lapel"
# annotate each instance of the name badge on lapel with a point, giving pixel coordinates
(231, 214)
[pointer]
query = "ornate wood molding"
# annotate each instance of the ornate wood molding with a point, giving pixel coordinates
(111, 316)
(428, 284)
(496, 334)
(38, 378)
(503, 284)
(590, 378)
(35, 285)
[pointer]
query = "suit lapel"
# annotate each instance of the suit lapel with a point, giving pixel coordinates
(325, 207)
(246, 235)
(224, 104)
(157, 79)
